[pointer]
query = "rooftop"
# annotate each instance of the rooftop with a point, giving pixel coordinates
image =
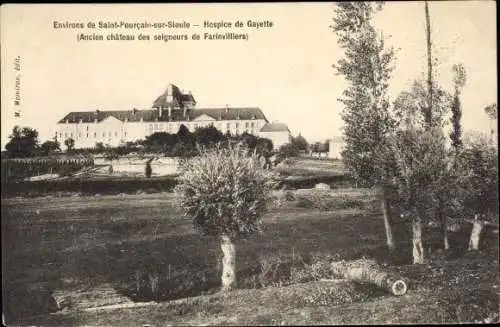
(275, 127)
(151, 115)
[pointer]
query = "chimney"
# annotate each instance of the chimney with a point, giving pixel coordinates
(227, 108)
(134, 111)
(160, 109)
(170, 112)
(184, 111)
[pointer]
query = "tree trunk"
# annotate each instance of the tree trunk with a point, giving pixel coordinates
(370, 272)
(444, 227)
(429, 64)
(445, 236)
(228, 277)
(387, 224)
(477, 227)
(418, 248)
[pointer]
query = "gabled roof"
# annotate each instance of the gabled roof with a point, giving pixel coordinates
(151, 115)
(179, 98)
(275, 127)
(99, 115)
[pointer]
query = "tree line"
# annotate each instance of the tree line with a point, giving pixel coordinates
(24, 143)
(400, 148)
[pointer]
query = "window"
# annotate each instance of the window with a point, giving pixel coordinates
(87, 128)
(71, 134)
(237, 125)
(252, 124)
(116, 134)
(95, 134)
(246, 125)
(124, 133)
(79, 135)
(156, 127)
(65, 134)
(87, 135)
(228, 125)
(109, 134)
(103, 134)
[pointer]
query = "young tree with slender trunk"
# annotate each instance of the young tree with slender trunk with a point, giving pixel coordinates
(418, 177)
(430, 85)
(459, 78)
(225, 191)
(479, 189)
(367, 67)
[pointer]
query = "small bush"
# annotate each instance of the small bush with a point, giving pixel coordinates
(274, 269)
(149, 170)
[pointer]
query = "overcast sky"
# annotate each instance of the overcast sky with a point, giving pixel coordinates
(284, 69)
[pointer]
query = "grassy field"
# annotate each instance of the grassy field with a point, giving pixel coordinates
(141, 262)
(309, 166)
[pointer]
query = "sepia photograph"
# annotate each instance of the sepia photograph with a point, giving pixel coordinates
(262, 164)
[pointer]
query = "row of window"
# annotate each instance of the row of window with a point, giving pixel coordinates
(168, 127)
(87, 135)
(248, 127)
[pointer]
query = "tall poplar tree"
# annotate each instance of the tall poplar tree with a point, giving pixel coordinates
(367, 67)
(459, 77)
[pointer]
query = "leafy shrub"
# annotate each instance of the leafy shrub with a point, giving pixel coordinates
(274, 269)
(225, 191)
(148, 170)
(478, 192)
(288, 150)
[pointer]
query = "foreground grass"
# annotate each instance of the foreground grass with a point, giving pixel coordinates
(79, 244)
(470, 301)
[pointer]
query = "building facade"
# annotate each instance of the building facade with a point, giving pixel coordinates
(336, 146)
(170, 110)
(276, 132)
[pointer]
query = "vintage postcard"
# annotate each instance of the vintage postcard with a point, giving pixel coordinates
(249, 163)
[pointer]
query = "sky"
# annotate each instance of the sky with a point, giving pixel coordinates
(285, 69)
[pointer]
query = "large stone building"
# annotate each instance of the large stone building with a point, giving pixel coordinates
(170, 110)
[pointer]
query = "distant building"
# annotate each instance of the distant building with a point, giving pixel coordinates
(276, 132)
(336, 145)
(170, 110)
